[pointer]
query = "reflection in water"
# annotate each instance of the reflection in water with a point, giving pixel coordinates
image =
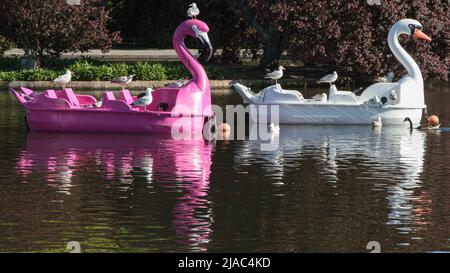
(392, 154)
(128, 157)
(324, 189)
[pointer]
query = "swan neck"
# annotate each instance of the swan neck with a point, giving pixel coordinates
(190, 62)
(403, 57)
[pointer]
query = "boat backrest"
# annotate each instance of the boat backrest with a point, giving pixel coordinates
(26, 91)
(126, 97)
(69, 95)
(108, 96)
(51, 94)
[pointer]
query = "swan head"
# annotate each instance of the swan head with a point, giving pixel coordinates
(199, 30)
(411, 28)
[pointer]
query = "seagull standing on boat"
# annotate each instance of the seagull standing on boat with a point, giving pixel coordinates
(275, 75)
(388, 78)
(64, 79)
(145, 100)
(330, 78)
(178, 84)
(123, 81)
(320, 97)
(393, 96)
(193, 11)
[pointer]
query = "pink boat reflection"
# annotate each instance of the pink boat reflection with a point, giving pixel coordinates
(158, 160)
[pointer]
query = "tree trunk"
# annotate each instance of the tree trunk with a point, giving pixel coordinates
(274, 41)
(273, 49)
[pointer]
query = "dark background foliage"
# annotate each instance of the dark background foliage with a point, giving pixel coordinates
(350, 34)
(52, 27)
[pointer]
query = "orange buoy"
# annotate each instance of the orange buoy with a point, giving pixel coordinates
(224, 127)
(433, 120)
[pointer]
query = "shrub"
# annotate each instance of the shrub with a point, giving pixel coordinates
(9, 64)
(8, 76)
(148, 72)
(85, 70)
(36, 75)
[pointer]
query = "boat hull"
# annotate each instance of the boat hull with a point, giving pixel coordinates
(329, 114)
(110, 122)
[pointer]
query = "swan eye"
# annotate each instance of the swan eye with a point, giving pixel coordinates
(412, 28)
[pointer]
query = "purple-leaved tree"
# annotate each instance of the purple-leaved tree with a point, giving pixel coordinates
(52, 27)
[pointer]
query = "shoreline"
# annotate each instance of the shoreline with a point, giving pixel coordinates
(137, 85)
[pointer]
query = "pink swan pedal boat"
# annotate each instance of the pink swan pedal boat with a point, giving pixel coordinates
(186, 108)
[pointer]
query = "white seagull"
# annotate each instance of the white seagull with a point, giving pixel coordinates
(388, 78)
(330, 78)
(393, 96)
(193, 11)
(377, 123)
(145, 100)
(123, 81)
(275, 75)
(64, 79)
(178, 84)
(320, 97)
(274, 128)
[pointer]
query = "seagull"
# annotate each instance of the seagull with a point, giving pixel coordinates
(275, 75)
(388, 78)
(193, 11)
(393, 96)
(64, 79)
(176, 84)
(274, 128)
(320, 97)
(123, 81)
(98, 104)
(377, 123)
(144, 100)
(330, 78)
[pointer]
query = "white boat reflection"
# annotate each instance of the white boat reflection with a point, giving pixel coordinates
(392, 158)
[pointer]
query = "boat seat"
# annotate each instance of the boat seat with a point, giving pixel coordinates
(126, 97)
(51, 94)
(69, 95)
(108, 96)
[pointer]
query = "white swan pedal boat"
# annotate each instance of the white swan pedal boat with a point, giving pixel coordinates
(392, 102)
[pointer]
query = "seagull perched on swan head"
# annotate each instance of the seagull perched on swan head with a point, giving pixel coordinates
(275, 75)
(64, 79)
(193, 11)
(330, 78)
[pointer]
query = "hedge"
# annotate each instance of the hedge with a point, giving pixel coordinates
(85, 70)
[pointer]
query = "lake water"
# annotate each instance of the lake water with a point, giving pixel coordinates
(324, 189)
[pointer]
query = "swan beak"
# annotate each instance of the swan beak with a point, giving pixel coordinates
(422, 36)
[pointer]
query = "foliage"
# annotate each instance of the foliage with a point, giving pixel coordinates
(5, 45)
(85, 70)
(52, 27)
(323, 32)
(148, 71)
